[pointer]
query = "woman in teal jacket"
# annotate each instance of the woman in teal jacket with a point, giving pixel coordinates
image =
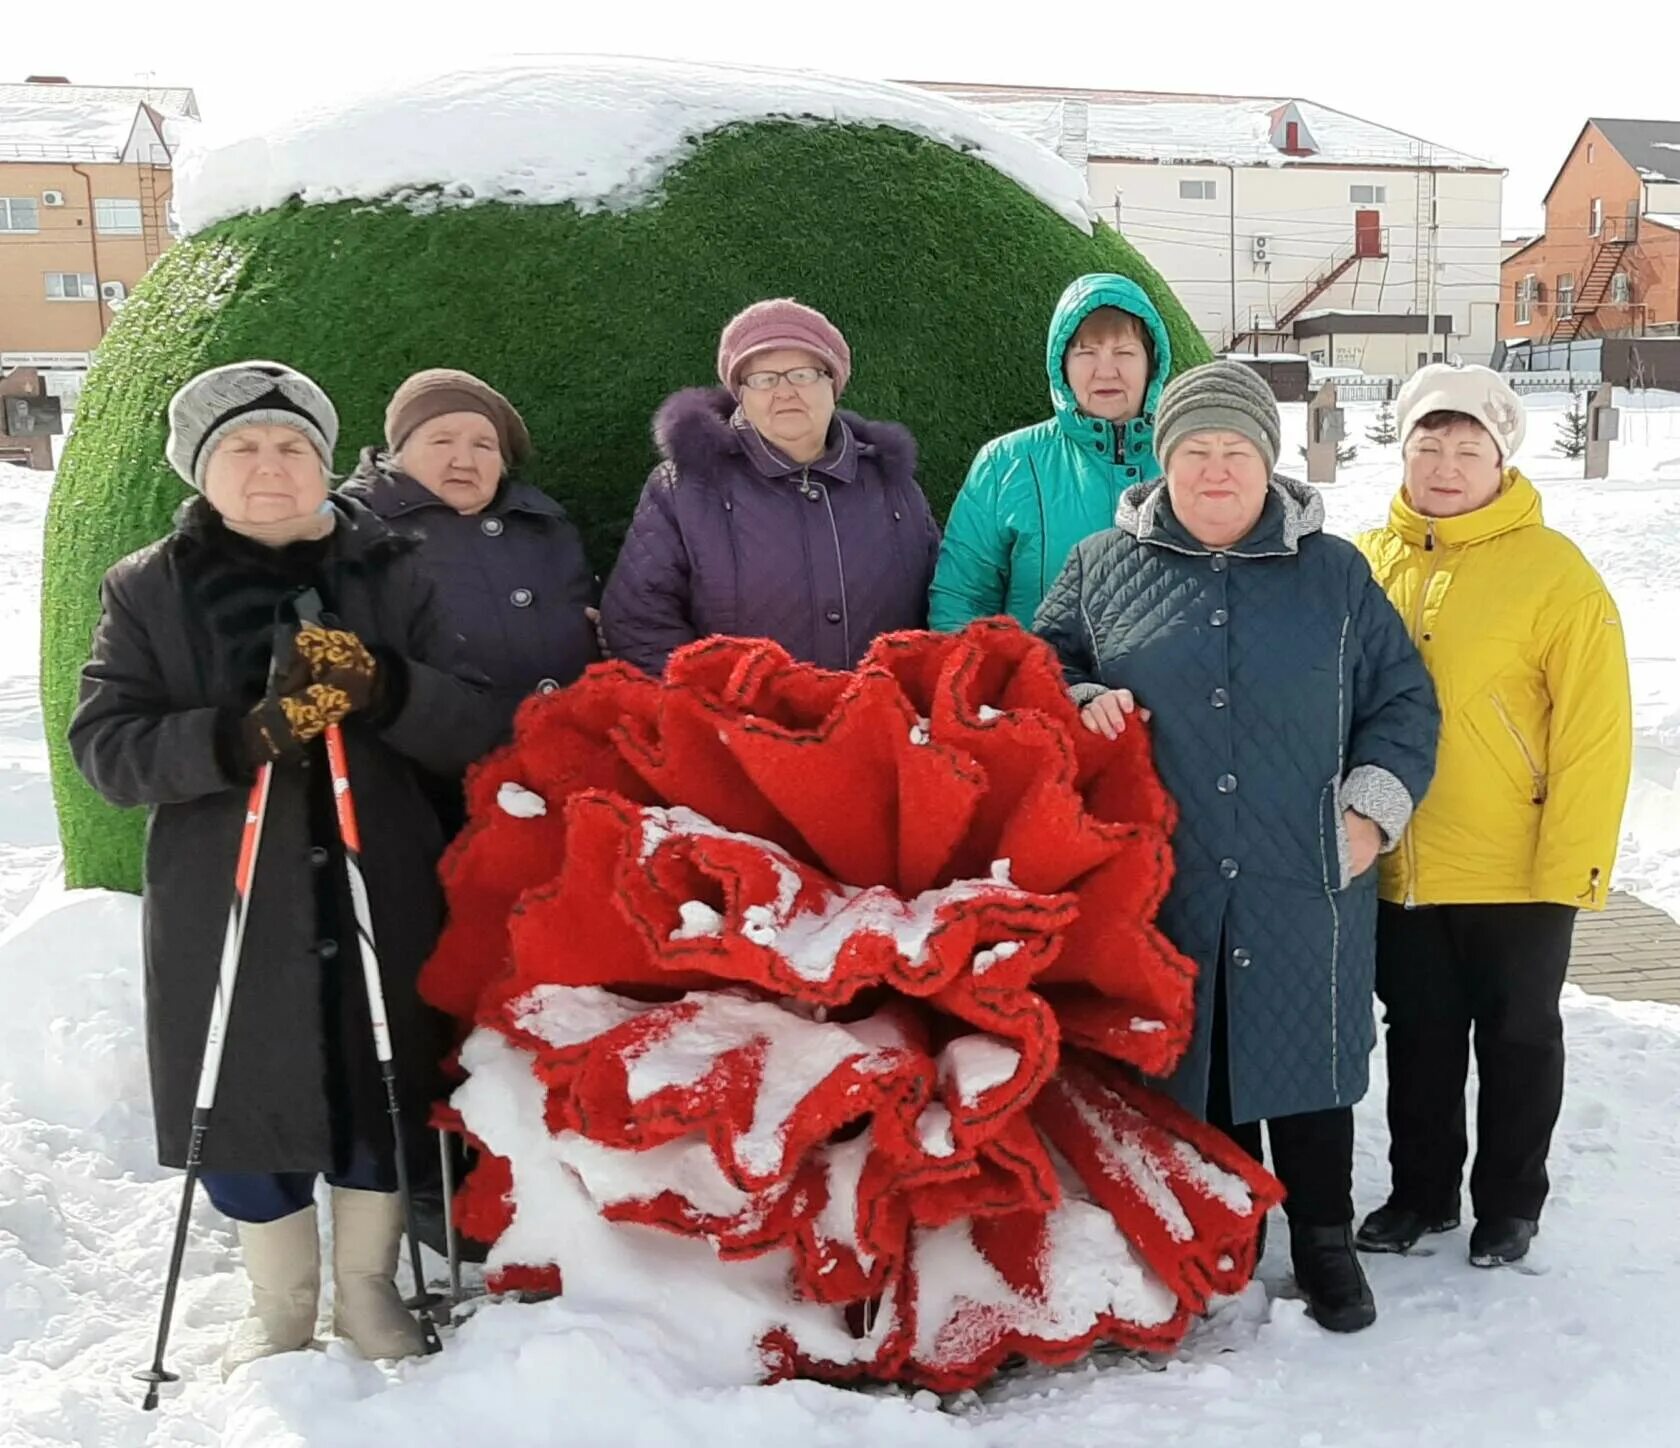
(1032, 495)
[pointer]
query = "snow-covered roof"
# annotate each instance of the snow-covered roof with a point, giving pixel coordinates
(1215, 129)
(32, 130)
(598, 131)
(166, 100)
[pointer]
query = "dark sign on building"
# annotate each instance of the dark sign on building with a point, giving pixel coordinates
(32, 417)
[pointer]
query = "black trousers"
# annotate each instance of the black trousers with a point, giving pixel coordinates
(1443, 973)
(1312, 1151)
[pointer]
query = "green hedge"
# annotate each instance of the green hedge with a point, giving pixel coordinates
(941, 272)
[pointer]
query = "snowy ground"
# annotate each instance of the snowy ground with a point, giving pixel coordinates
(1575, 1349)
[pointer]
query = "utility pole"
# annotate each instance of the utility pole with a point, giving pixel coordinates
(1434, 251)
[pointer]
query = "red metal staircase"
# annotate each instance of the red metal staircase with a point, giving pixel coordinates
(1617, 236)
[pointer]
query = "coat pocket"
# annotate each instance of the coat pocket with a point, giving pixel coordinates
(1531, 763)
(1334, 846)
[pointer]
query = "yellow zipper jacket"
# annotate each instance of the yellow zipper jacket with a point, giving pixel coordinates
(1526, 649)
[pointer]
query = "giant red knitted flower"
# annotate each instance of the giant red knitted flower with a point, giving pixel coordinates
(842, 971)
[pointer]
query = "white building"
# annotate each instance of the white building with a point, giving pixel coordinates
(1285, 225)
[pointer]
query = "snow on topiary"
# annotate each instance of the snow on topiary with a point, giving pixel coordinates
(577, 233)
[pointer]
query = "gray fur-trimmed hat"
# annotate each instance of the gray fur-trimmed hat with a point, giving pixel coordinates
(1218, 397)
(245, 394)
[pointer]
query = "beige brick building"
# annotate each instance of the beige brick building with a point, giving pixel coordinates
(85, 182)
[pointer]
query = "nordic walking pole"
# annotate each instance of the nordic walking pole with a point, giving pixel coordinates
(452, 1241)
(349, 833)
(233, 943)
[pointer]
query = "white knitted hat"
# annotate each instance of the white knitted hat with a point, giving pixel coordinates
(1478, 392)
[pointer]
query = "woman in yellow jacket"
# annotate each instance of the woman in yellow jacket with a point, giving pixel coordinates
(1518, 831)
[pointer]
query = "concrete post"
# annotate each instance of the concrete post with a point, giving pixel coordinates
(1603, 425)
(1325, 428)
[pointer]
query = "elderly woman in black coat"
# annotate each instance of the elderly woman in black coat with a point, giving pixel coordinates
(177, 714)
(1295, 725)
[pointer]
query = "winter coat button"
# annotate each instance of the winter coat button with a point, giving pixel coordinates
(1219, 698)
(492, 527)
(834, 615)
(326, 949)
(1220, 562)
(318, 857)
(547, 686)
(1242, 959)
(1219, 618)
(1227, 784)
(1229, 868)
(520, 598)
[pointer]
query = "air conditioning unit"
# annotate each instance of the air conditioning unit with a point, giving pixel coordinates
(1262, 250)
(112, 291)
(52, 198)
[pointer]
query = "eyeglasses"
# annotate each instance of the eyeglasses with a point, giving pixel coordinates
(798, 376)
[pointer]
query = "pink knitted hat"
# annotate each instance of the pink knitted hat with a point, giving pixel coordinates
(782, 322)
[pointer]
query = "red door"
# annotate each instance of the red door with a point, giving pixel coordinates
(1367, 233)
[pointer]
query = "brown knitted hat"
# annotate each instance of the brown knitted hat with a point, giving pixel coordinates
(441, 390)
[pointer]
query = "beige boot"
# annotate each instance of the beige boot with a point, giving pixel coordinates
(368, 1309)
(283, 1261)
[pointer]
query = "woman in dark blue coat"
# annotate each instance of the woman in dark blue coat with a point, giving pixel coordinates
(508, 563)
(1295, 726)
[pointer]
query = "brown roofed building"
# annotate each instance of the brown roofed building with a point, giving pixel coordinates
(1608, 263)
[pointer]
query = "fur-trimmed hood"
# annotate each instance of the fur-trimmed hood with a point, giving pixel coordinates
(701, 427)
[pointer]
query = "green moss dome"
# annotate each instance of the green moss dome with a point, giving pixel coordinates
(940, 270)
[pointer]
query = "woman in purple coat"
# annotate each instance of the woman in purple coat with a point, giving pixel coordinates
(773, 515)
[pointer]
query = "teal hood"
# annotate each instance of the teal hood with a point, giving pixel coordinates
(1134, 441)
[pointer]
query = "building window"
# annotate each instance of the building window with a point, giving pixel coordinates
(1198, 190)
(1368, 195)
(116, 217)
(1565, 295)
(1621, 290)
(71, 287)
(1590, 151)
(1595, 217)
(19, 213)
(1525, 300)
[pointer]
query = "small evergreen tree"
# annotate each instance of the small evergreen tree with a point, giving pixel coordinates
(1344, 455)
(1384, 432)
(1572, 429)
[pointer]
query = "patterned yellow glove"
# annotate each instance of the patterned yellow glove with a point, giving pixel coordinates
(340, 661)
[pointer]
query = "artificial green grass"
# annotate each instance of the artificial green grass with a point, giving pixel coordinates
(940, 271)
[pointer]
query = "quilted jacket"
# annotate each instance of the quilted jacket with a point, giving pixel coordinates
(512, 580)
(1031, 494)
(730, 537)
(1526, 649)
(1284, 689)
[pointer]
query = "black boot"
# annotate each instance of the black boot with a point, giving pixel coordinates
(1327, 1270)
(1499, 1241)
(1394, 1228)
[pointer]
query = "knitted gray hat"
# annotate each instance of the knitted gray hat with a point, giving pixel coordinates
(1218, 397)
(245, 394)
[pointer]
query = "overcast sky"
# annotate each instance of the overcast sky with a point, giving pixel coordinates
(1496, 81)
